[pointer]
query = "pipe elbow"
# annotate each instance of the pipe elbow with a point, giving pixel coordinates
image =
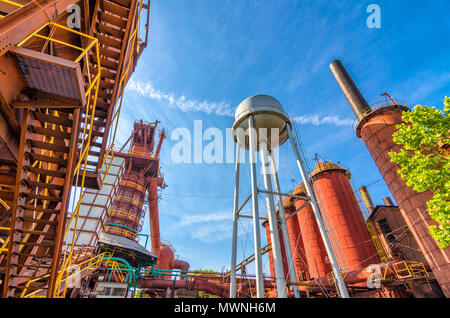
(181, 265)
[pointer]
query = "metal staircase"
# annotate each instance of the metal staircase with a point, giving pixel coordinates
(72, 81)
(40, 199)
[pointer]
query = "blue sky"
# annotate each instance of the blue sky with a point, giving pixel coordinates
(206, 56)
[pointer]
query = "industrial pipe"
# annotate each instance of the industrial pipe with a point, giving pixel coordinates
(182, 266)
(359, 275)
(366, 198)
(388, 201)
(154, 216)
(354, 97)
(197, 283)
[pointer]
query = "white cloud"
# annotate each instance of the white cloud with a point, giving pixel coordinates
(146, 89)
(208, 227)
(317, 120)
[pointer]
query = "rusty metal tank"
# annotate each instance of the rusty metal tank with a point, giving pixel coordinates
(265, 223)
(295, 238)
(339, 206)
(315, 253)
(376, 125)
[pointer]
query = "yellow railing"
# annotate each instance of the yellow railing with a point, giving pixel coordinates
(133, 185)
(124, 78)
(125, 215)
(6, 206)
(12, 3)
(409, 269)
(91, 91)
(121, 232)
(90, 264)
(376, 242)
(115, 267)
(130, 200)
(136, 153)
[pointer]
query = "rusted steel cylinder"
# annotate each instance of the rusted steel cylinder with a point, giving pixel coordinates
(375, 128)
(338, 205)
(362, 275)
(283, 251)
(315, 253)
(354, 97)
(197, 283)
(295, 238)
(376, 131)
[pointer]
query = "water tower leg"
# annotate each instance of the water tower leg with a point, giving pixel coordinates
(235, 227)
(273, 224)
(337, 274)
(256, 224)
(284, 231)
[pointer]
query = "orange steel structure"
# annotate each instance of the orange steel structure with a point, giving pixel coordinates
(295, 237)
(265, 224)
(315, 253)
(60, 85)
(338, 202)
(141, 176)
(375, 127)
(296, 243)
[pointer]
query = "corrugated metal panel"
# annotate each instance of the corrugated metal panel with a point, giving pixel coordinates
(49, 78)
(95, 204)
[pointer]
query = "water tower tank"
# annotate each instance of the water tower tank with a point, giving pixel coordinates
(267, 113)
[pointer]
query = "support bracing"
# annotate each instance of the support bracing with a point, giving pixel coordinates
(273, 224)
(284, 230)
(256, 226)
(235, 227)
(337, 274)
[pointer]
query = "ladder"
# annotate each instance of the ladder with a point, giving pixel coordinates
(40, 199)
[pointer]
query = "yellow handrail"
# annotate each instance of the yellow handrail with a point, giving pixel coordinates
(12, 3)
(94, 261)
(133, 185)
(115, 213)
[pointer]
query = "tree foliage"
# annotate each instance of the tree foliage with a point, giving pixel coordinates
(424, 161)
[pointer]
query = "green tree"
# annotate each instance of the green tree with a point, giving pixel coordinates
(424, 161)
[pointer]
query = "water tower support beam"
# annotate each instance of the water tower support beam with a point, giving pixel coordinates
(284, 230)
(337, 274)
(235, 226)
(256, 224)
(273, 224)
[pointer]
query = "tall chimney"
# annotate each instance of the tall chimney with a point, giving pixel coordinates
(366, 198)
(388, 201)
(354, 97)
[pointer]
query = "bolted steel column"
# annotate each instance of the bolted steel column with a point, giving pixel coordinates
(256, 225)
(284, 230)
(337, 274)
(235, 226)
(273, 224)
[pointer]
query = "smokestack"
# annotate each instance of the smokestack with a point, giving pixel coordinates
(388, 201)
(366, 198)
(354, 97)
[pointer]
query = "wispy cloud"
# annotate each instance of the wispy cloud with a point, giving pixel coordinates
(202, 218)
(317, 120)
(208, 227)
(147, 89)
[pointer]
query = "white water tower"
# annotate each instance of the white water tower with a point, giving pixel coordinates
(261, 125)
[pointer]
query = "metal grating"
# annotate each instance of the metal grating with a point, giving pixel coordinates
(49, 78)
(95, 204)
